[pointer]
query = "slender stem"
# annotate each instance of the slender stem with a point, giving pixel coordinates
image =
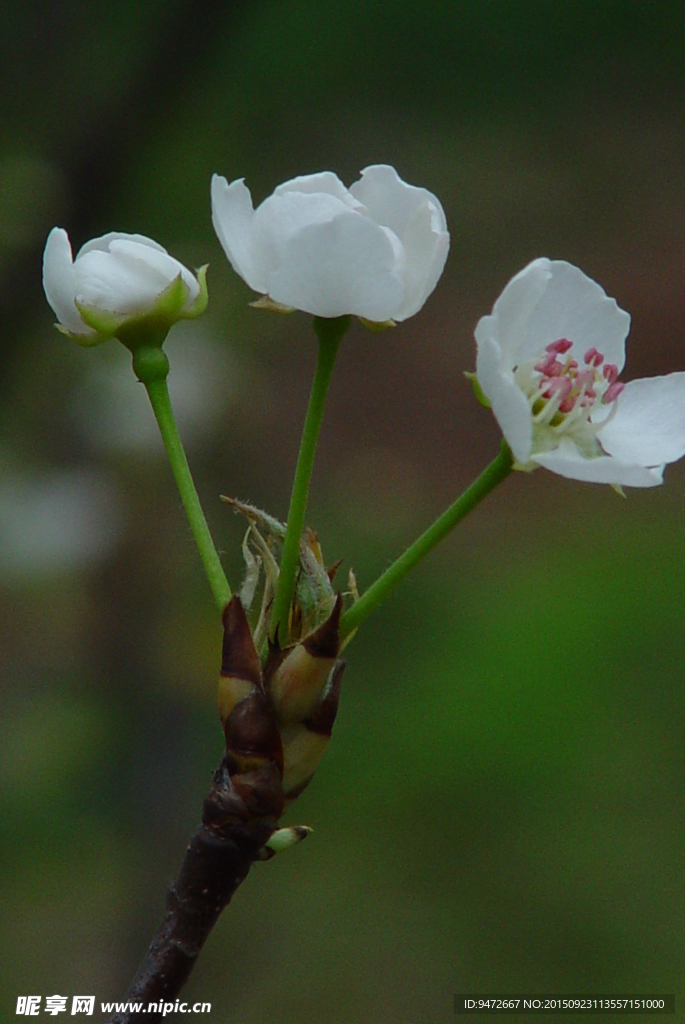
(330, 332)
(149, 365)
(497, 471)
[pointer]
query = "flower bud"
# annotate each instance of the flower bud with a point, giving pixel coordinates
(119, 285)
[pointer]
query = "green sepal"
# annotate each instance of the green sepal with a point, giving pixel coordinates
(105, 323)
(133, 330)
(264, 302)
(149, 328)
(376, 326)
(477, 389)
(524, 467)
(84, 340)
(200, 304)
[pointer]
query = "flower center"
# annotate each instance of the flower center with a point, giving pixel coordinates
(563, 395)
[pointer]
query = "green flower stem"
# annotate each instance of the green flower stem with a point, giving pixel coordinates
(151, 366)
(330, 333)
(494, 474)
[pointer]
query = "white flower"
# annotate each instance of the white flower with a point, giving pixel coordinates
(548, 361)
(376, 250)
(115, 281)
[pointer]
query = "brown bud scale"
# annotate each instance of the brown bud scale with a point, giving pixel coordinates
(252, 736)
(239, 656)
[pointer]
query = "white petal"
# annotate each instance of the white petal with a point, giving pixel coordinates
(347, 264)
(567, 461)
(648, 426)
(326, 182)
(103, 243)
(575, 307)
(113, 281)
(281, 217)
(158, 261)
(509, 404)
(425, 253)
(416, 216)
(394, 203)
(59, 281)
(232, 215)
(512, 311)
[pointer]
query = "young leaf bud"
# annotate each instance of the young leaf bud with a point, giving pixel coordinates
(283, 839)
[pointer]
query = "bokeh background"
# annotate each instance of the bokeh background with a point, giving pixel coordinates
(503, 805)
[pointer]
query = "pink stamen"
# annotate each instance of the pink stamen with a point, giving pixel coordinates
(560, 346)
(558, 385)
(612, 392)
(585, 378)
(593, 357)
(610, 372)
(550, 366)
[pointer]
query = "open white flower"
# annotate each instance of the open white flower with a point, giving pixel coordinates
(115, 281)
(549, 358)
(376, 250)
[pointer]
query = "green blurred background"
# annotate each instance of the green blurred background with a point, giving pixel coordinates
(503, 805)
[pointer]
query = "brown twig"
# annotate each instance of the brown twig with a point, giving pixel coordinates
(258, 773)
(239, 815)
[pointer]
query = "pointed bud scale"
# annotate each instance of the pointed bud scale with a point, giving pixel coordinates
(332, 570)
(298, 682)
(240, 671)
(260, 792)
(238, 655)
(322, 718)
(274, 658)
(311, 539)
(241, 797)
(324, 642)
(252, 737)
(305, 744)
(302, 752)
